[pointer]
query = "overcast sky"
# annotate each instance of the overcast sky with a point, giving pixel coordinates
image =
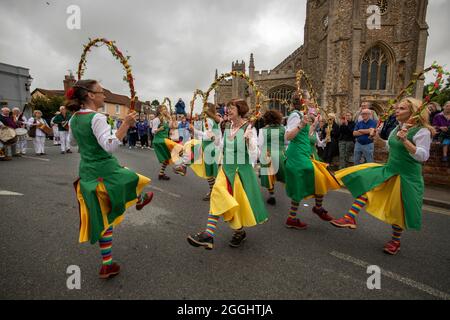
(175, 45)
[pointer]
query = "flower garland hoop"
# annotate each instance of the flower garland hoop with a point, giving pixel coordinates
(298, 80)
(431, 90)
(197, 93)
(258, 94)
(170, 104)
(97, 42)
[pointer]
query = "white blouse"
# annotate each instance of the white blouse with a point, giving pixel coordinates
(252, 145)
(102, 131)
(39, 132)
(422, 141)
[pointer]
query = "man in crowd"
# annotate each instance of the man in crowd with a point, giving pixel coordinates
(62, 120)
(364, 132)
(441, 122)
(7, 121)
(346, 140)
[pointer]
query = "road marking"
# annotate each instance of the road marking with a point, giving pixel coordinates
(9, 193)
(394, 276)
(432, 209)
(36, 158)
(166, 192)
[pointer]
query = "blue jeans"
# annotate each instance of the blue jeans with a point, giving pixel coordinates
(363, 149)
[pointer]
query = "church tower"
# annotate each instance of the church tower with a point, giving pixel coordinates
(363, 49)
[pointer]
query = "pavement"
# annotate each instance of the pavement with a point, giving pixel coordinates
(39, 244)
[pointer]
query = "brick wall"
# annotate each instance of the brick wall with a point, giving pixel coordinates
(434, 171)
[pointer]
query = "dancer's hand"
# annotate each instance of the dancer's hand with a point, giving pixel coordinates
(131, 118)
(402, 134)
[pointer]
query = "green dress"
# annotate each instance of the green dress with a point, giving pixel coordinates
(98, 166)
(277, 155)
(159, 143)
(211, 167)
(400, 164)
(299, 168)
(236, 161)
(313, 141)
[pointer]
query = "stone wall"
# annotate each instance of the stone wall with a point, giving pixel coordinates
(434, 171)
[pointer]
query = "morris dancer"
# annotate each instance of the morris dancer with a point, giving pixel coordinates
(305, 177)
(105, 189)
(39, 135)
(62, 120)
(167, 151)
(205, 161)
(236, 195)
(272, 152)
(393, 192)
(21, 122)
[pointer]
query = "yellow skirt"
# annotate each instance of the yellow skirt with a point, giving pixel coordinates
(105, 206)
(235, 208)
(385, 200)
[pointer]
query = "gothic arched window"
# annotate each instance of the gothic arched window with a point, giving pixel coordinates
(281, 93)
(374, 69)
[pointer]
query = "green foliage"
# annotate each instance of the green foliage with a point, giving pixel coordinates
(48, 106)
(442, 95)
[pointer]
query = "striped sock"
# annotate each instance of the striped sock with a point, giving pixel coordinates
(271, 191)
(211, 225)
(211, 181)
(293, 210)
(163, 168)
(319, 200)
(396, 233)
(106, 245)
(357, 205)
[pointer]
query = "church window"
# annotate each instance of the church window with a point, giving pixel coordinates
(374, 69)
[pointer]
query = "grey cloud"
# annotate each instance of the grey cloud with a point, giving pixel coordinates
(175, 46)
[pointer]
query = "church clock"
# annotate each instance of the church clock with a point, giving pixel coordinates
(383, 5)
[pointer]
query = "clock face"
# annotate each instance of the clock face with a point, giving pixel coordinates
(383, 5)
(325, 22)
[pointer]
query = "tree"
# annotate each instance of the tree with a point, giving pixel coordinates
(48, 106)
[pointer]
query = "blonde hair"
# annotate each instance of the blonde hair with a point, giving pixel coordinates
(421, 119)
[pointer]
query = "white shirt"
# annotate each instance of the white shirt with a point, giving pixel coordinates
(102, 131)
(155, 125)
(39, 132)
(422, 140)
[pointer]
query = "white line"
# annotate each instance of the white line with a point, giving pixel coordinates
(9, 193)
(36, 158)
(166, 192)
(394, 276)
(432, 209)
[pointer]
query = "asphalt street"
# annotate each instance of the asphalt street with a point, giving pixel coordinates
(39, 241)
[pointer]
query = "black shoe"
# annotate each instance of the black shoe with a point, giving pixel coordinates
(181, 170)
(201, 239)
(271, 201)
(237, 239)
(207, 197)
(63, 152)
(163, 177)
(68, 151)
